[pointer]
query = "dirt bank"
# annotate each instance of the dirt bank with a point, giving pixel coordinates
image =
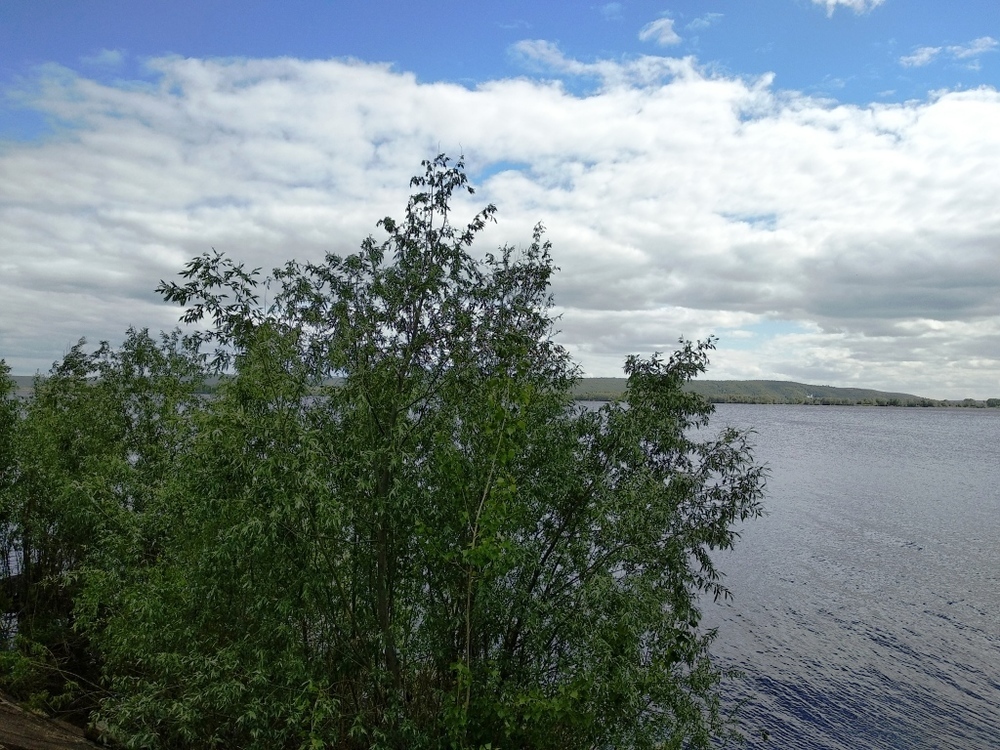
(22, 730)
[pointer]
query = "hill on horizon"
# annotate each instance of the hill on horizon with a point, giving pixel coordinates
(774, 392)
(732, 391)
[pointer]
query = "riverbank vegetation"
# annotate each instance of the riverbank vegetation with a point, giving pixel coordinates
(438, 551)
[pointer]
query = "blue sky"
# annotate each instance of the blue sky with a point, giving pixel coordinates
(810, 180)
(833, 51)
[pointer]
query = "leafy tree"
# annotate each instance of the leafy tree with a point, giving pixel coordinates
(8, 425)
(9, 593)
(438, 550)
(391, 527)
(88, 451)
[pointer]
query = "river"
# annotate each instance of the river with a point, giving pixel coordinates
(866, 604)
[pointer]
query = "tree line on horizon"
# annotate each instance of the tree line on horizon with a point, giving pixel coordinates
(715, 391)
(779, 392)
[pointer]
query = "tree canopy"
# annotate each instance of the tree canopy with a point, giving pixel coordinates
(390, 526)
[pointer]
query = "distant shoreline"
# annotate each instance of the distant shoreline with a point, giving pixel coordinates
(737, 392)
(779, 392)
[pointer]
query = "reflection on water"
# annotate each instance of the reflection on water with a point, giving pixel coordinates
(865, 610)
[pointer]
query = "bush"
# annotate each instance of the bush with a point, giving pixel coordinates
(435, 549)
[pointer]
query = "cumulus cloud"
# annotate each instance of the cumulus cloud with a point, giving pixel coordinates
(660, 31)
(971, 51)
(858, 6)
(821, 242)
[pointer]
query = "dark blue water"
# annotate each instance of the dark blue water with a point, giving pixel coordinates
(866, 610)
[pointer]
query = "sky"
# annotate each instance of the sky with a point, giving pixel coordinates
(813, 182)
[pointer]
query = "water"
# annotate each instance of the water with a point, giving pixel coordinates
(866, 610)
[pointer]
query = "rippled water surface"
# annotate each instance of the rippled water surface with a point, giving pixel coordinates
(866, 610)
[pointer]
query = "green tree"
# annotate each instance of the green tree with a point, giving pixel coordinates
(437, 549)
(86, 452)
(9, 413)
(8, 425)
(391, 526)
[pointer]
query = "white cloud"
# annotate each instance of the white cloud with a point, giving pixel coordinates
(611, 11)
(925, 55)
(660, 31)
(105, 58)
(678, 203)
(921, 56)
(858, 6)
(546, 57)
(974, 48)
(703, 22)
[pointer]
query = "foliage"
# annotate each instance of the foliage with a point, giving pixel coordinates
(90, 448)
(437, 550)
(8, 472)
(8, 425)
